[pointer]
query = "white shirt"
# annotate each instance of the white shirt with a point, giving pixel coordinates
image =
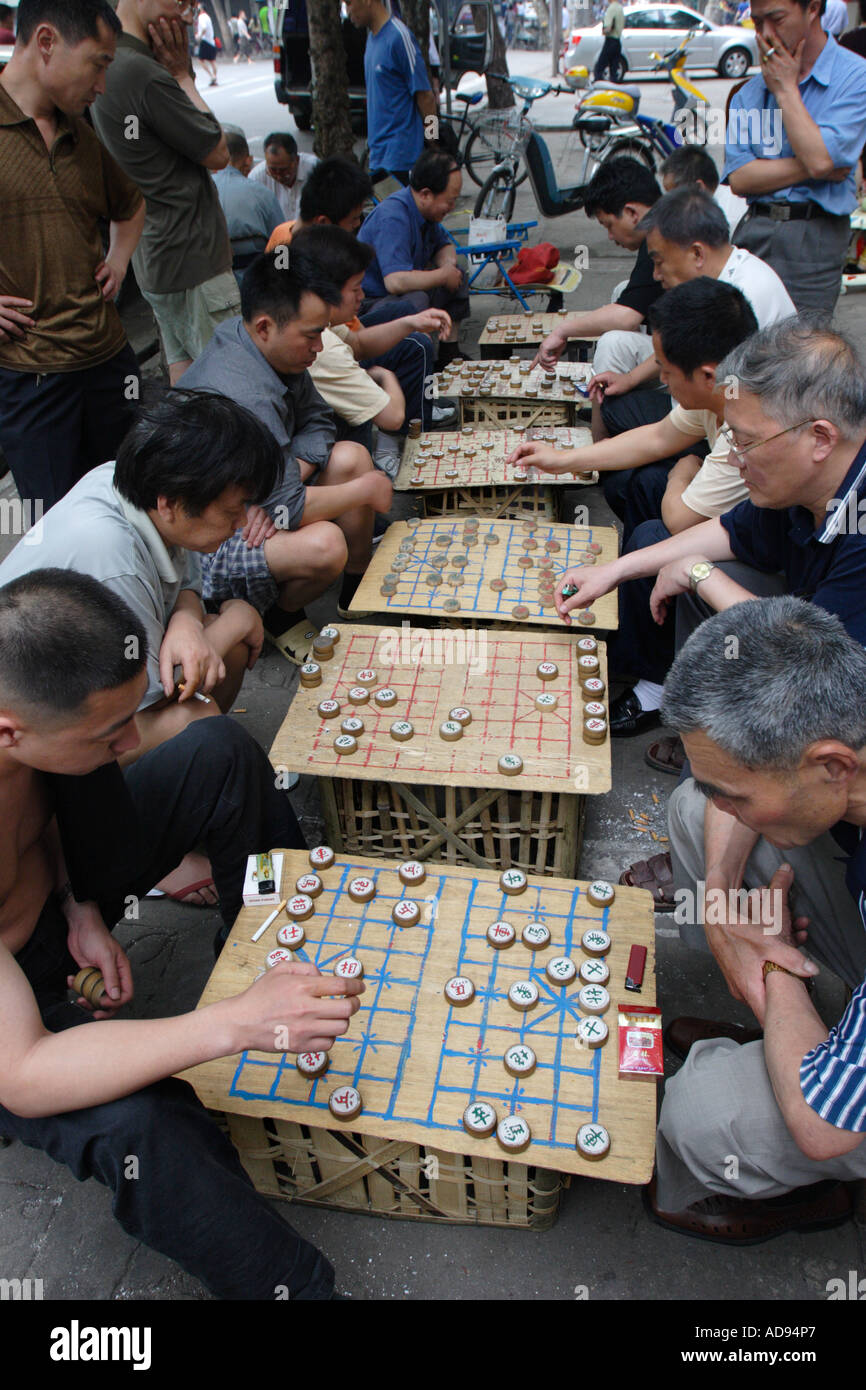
(834, 20)
(204, 27)
(288, 198)
(760, 284)
(243, 31)
(733, 207)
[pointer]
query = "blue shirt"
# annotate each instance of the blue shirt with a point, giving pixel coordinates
(833, 1074)
(827, 565)
(401, 238)
(394, 71)
(834, 94)
(251, 211)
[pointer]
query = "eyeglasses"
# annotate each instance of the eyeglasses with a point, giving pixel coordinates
(741, 453)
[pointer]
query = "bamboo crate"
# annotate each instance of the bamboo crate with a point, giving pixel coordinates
(499, 414)
(517, 503)
(539, 832)
(361, 1173)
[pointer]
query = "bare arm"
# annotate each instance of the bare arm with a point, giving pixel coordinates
(44, 1073)
(123, 237)
(629, 450)
(588, 325)
(169, 42)
(427, 104)
(676, 515)
(379, 338)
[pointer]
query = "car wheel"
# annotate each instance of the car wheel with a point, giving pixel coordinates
(735, 63)
(621, 70)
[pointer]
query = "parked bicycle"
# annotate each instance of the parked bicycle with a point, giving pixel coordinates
(495, 134)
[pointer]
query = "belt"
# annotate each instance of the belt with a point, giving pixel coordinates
(788, 212)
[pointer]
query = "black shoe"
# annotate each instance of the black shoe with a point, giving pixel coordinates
(627, 718)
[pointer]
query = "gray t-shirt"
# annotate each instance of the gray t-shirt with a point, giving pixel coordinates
(158, 138)
(291, 407)
(95, 531)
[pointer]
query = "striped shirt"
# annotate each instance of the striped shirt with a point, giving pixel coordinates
(833, 1074)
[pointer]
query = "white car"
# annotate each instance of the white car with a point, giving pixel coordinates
(728, 48)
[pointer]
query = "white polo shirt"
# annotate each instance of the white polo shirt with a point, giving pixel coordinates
(95, 531)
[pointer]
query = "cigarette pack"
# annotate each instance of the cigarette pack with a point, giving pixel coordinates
(252, 896)
(640, 1042)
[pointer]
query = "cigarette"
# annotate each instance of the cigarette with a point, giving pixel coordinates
(769, 53)
(197, 695)
(260, 931)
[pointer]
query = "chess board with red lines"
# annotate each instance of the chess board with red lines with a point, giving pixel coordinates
(492, 674)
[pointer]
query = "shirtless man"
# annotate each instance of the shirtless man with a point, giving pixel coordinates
(79, 836)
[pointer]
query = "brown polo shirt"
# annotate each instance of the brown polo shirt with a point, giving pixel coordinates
(51, 203)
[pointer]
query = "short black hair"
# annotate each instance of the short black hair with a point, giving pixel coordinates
(618, 182)
(333, 189)
(276, 282)
(685, 215)
(236, 143)
(64, 637)
(432, 169)
(283, 139)
(189, 446)
(74, 20)
(700, 321)
(6, 12)
(338, 253)
(688, 164)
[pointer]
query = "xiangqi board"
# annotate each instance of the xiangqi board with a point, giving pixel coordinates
(417, 1061)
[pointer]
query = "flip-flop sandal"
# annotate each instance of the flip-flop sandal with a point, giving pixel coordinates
(296, 642)
(183, 895)
(667, 755)
(656, 875)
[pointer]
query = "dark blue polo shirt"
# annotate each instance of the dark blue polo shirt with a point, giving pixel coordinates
(827, 565)
(401, 238)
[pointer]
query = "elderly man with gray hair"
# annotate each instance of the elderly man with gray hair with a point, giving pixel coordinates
(796, 415)
(757, 1137)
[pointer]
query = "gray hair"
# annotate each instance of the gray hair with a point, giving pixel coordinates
(765, 679)
(800, 370)
(685, 215)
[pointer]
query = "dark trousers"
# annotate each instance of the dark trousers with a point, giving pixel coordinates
(401, 175)
(808, 256)
(454, 302)
(640, 647)
(608, 59)
(413, 361)
(191, 1198)
(55, 428)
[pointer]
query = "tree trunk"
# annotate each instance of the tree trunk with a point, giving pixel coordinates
(499, 94)
(330, 85)
(220, 15)
(416, 16)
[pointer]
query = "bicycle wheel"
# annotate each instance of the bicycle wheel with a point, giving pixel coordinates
(630, 149)
(493, 138)
(496, 198)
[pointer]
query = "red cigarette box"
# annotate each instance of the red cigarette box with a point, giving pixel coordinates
(640, 1042)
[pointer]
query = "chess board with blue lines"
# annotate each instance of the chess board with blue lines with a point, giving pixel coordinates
(416, 1060)
(447, 563)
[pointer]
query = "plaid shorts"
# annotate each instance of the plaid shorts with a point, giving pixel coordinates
(236, 571)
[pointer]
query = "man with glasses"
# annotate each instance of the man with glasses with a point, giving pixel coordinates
(165, 137)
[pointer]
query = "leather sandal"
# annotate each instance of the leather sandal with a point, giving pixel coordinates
(740, 1221)
(656, 875)
(296, 644)
(667, 755)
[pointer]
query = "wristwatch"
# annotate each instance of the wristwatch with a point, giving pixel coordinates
(699, 571)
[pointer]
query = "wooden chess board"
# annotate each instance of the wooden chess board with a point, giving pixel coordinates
(425, 567)
(505, 380)
(492, 674)
(525, 330)
(476, 457)
(418, 1061)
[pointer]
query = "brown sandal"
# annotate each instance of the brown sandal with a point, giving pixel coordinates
(668, 755)
(656, 876)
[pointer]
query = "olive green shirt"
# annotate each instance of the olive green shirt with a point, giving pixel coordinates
(159, 137)
(613, 22)
(51, 205)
